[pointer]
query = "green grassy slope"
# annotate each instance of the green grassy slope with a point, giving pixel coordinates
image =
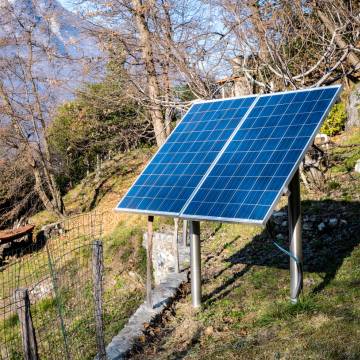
(246, 312)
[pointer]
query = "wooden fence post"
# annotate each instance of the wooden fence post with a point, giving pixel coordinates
(149, 267)
(22, 301)
(185, 233)
(176, 246)
(97, 270)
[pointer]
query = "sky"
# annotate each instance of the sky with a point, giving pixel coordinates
(67, 4)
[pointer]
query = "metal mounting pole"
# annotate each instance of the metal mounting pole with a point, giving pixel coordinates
(195, 256)
(295, 238)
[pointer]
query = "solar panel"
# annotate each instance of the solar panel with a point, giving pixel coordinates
(247, 179)
(175, 171)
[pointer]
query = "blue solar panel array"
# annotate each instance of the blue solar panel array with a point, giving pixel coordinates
(229, 160)
(177, 168)
(247, 179)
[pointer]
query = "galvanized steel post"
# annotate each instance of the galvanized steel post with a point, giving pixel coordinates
(195, 256)
(295, 238)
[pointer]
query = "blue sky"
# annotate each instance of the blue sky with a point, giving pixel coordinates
(68, 4)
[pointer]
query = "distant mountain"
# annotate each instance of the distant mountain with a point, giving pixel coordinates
(65, 52)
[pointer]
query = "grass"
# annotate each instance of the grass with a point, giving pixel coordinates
(252, 318)
(125, 266)
(246, 312)
(101, 193)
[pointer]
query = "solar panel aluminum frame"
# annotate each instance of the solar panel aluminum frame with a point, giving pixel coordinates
(174, 214)
(289, 177)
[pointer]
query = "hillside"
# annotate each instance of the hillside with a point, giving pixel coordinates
(101, 192)
(246, 312)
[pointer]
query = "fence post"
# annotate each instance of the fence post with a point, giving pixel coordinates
(58, 301)
(97, 270)
(185, 233)
(149, 267)
(27, 328)
(176, 245)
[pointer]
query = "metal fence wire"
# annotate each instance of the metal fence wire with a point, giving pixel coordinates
(61, 274)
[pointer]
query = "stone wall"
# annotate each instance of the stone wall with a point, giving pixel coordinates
(353, 108)
(163, 254)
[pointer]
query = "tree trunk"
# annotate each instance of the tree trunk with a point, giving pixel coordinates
(39, 188)
(153, 85)
(352, 58)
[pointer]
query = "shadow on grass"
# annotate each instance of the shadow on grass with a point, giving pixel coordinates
(324, 250)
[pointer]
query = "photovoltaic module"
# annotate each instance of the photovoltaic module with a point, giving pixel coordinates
(177, 168)
(230, 160)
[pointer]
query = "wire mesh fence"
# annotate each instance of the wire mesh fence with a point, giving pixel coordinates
(58, 271)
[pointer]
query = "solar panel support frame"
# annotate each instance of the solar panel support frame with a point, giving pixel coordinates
(295, 238)
(195, 263)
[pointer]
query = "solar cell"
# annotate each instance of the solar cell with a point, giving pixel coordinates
(248, 177)
(174, 172)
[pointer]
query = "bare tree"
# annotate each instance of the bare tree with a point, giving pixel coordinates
(32, 76)
(168, 44)
(294, 44)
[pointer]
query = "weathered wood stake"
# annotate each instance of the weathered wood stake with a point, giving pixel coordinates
(98, 272)
(185, 233)
(149, 263)
(28, 337)
(176, 245)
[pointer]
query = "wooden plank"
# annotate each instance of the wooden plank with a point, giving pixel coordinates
(14, 234)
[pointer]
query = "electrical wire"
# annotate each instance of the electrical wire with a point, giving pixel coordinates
(293, 257)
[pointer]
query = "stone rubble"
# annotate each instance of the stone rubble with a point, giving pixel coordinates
(357, 166)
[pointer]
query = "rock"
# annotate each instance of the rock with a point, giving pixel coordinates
(284, 223)
(163, 255)
(353, 111)
(321, 226)
(321, 139)
(357, 166)
(43, 289)
(209, 331)
(280, 237)
(333, 222)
